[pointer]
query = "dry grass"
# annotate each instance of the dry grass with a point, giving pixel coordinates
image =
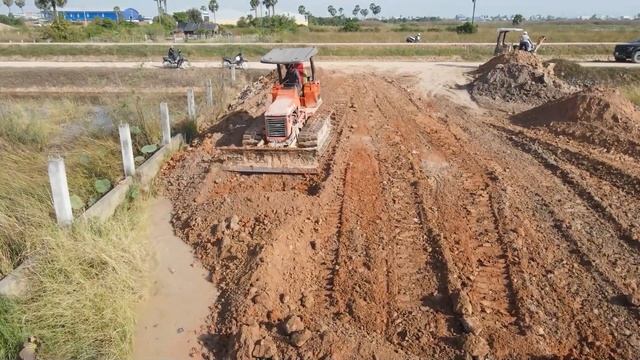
(84, 285)
(632, 92)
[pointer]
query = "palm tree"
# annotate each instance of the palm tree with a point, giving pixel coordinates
(341, 10)
(254, 6)
(20, 4)
(270, 4)
(116, 9)
(377, 10)
(364, 13)
(213, 7)
(356, 10)
(51, 5)
(8, 3)
(332, 10)
(473, 16)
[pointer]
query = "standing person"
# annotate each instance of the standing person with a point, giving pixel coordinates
(525, 42)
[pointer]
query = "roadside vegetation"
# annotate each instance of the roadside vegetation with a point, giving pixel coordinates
(84, 281)
(626, 79)
(254, 52)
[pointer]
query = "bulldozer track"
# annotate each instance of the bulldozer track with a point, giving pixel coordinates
(617, 177)
(592, 201)
(619, 265)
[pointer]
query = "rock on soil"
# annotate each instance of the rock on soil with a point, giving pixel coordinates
(299, 338)
(292, 325)
(519, 77)
(475, 347)
(598, 116)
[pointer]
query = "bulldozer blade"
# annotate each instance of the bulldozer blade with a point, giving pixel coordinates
(304, 159)
(269, 160)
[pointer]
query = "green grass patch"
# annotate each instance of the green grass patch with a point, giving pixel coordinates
(11, 332)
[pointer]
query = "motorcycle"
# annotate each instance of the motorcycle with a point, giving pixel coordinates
(239, 62)
(174, 62)
(414, 39)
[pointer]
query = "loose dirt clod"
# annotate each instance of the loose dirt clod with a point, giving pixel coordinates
(293, 324)
(299, 338)
(518, 77)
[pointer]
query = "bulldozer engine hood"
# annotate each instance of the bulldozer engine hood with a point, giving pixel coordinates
(281, 107)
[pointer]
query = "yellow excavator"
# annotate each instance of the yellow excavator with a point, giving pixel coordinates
(503, 47)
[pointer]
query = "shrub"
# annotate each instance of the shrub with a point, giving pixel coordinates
(62, 30)
(276, 23)
(351, 26)
(167, 21)
(467, 28)
(11, 20)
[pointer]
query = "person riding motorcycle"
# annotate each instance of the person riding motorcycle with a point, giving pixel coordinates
(525, 42)
(173, 54)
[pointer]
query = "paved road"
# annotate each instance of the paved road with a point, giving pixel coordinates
(254, 65)
(427, 44)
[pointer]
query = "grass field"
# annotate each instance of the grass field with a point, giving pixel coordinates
(442, 32)
(254, 52)
(373, 31)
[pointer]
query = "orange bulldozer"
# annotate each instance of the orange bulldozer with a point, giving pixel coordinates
(289, 138)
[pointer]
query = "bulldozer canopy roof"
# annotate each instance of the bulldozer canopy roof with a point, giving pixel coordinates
(510, 29)
(289, 55)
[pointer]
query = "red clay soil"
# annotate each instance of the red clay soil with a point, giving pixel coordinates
(602, 117)
(433, 232)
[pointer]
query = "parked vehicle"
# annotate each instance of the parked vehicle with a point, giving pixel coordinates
(628, 51)
(239, 62)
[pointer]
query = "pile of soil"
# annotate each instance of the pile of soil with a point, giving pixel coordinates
(598, 116)
(519, 77)
(254, 95)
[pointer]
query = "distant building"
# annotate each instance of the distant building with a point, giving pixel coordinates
(129, 14)
(193, 30)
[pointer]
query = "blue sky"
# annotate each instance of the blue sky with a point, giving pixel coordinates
(448, 8)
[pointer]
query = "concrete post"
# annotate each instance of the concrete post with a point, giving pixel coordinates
(209, 87)
(60, 191)
(126, 146)
(191, 105)
(165, 123)
(233, 74)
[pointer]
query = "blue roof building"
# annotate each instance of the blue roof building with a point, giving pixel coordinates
(89, 15)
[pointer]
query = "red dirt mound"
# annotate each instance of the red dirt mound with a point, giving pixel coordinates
(519, 77)
(598, 116)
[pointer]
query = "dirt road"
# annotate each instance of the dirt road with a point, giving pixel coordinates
(409, 65)
(437, 229)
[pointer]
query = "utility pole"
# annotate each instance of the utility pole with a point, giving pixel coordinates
(473, 16)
